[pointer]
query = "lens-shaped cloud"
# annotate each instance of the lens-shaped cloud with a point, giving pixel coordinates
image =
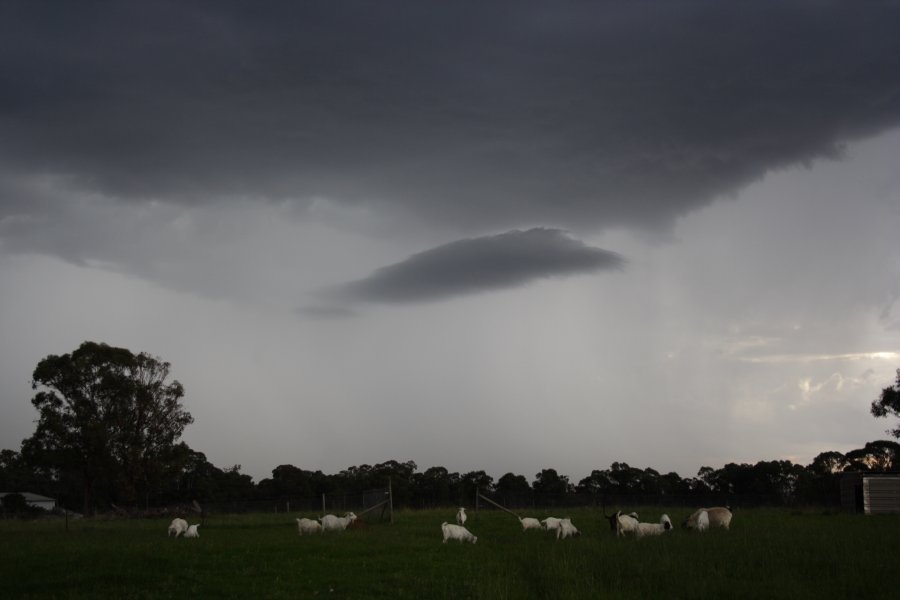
(480, 264)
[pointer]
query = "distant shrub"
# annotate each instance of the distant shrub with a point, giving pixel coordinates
(16, 504)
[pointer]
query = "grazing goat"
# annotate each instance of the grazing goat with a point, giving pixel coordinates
(308, 526)
(457, 532)
(178, 526)
(718, 516)
(461, 516)
(664, 525)
(614, 524)
(192, 531)
(566, 529)
(529, 523)
(621, 524)
(331, 522)
(703, 521)
(551, 523)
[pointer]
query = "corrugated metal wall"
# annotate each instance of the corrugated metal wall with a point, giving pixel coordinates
(881, 495)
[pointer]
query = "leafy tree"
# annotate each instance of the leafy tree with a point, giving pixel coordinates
(548, 481)
(352, 480)
(288, 481)
(400, 475)
(648, 481)
(673, 483)
(776, 478)
(473, 480)
(877, 456)
(625, 478)
(511, 484)
(197, 477)
(706, 480)
(234, 485)
(821, 480)
(828, 463)
(889, 404)
(14, 504)
(15, 476)
(597, 482)
(110, 416)
(436, 486)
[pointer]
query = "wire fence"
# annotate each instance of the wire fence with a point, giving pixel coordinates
(336, 503)
(340, 503)
(378, 504)
(533, 500)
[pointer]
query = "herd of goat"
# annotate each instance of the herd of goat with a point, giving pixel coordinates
(700, 520)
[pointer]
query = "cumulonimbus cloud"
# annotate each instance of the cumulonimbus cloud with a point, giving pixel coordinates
(479, 264)
(478, 116)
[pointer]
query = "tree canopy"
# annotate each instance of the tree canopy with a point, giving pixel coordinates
(888, 403)
(108, 417)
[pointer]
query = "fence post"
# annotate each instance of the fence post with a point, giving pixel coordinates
(323, 503)
(476, 498)
(391, 500)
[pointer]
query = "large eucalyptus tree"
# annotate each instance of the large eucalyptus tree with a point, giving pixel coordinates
(108, 415)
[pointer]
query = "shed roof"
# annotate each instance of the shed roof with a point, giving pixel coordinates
(30, 497)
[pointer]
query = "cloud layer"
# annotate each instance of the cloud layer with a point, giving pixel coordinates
(480, 264)
(478, 116)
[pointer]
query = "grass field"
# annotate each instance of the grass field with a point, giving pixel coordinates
(767, 554)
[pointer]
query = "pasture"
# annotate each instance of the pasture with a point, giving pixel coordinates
(769, 553)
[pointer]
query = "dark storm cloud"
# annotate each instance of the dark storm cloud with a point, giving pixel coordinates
(474, 115)
(479, 264)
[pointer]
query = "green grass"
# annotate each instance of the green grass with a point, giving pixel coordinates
(767, 554)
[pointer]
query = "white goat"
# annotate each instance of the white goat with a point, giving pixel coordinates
(718, 516)
(623, 524)
(529, 523)
(308, 526)
(461, 516)
(178, 526)
(566, 529)
(457, 532)
(551, 523)
(192, 531)
(664, 525)
(614, 520)
(703, 520)
(331, 522)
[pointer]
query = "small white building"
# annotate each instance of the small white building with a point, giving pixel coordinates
(35, 500)
(871, 493)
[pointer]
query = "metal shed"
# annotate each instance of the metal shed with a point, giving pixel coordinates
(871, 493)
(35, 500)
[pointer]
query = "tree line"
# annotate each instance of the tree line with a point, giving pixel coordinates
(109, 427)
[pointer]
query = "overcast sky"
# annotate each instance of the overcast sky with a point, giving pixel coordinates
(483, 235)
